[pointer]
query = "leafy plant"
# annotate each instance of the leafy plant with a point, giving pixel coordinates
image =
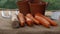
(11, 4)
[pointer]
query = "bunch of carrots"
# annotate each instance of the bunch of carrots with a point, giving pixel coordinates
(30, 12)
(37, 19)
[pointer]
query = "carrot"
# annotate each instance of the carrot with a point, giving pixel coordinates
(43, 21)
(21, 19)
(29, 21)
(31, 17)
(53, 23)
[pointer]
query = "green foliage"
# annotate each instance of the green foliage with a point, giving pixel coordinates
(11, 4)
(53, 4)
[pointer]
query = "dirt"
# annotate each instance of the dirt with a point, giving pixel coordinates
(6, 28)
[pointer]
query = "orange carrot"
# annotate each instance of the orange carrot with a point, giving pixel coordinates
(29, 21)
(53, 23)
(43, 21)
(31, 17)
(21, 19)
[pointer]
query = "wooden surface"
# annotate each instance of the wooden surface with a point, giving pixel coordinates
(5, 28)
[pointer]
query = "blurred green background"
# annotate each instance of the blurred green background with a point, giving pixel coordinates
(11, 4)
